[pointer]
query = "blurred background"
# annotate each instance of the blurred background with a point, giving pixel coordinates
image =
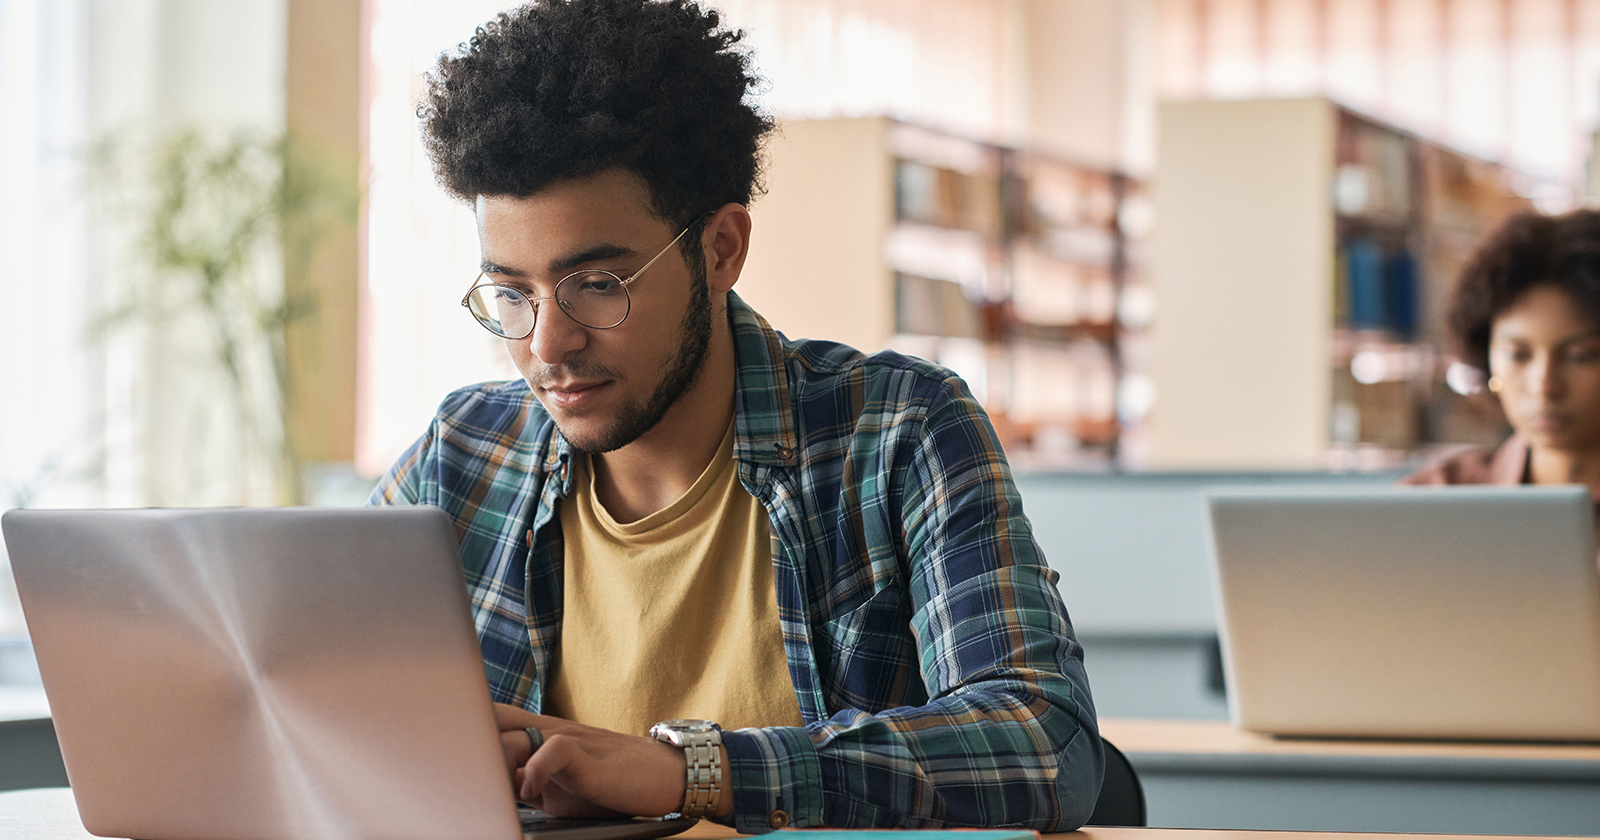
(1170, 243)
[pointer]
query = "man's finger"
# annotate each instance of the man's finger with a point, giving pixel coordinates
(514, 744)
(554, 756)
(534, 802)
(507, 716)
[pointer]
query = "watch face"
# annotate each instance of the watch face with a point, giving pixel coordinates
(687, 725)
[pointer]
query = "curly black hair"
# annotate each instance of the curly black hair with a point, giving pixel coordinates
(1528, 250)
(560, 89)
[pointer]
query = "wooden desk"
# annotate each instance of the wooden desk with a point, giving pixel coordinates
(1207, 774)
(49, 814)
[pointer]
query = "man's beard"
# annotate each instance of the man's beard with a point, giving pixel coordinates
(678, 375)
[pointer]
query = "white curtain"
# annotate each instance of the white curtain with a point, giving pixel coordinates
(86, 422)
(42, 393)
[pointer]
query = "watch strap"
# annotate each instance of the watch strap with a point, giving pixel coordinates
(701, 742)
(702, 753)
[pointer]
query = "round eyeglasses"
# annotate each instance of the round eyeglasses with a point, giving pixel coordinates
(593, 298)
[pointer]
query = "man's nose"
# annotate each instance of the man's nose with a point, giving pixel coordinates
(555, 336)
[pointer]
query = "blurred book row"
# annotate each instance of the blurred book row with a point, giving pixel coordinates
(1022, 272)
(1409, 214)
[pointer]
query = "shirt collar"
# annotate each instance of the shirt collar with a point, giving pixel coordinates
(764, 430)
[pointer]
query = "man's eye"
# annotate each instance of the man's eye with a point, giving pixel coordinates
(600, 285)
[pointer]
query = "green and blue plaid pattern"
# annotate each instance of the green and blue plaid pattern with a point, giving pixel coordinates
(934, 663)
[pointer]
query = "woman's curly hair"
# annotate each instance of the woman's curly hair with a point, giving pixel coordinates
(1528, 250)
(560, 89)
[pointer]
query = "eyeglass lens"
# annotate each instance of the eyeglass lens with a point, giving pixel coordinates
(596, 299)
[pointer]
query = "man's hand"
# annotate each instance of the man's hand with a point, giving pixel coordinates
(584, 771)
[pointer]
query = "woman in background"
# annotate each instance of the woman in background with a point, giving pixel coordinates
(1527, 312)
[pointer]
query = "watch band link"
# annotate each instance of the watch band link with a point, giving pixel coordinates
(703, 777)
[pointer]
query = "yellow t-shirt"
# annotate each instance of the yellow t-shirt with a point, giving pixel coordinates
(672, 616)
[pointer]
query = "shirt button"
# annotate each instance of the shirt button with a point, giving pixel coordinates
(777, 819)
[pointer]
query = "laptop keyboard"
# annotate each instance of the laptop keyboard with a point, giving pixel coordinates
(540, 821)
(537, 825)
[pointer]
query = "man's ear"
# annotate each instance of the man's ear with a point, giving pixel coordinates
(726, 242)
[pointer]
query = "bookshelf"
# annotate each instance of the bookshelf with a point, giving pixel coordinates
(1007, 266)
(1306, 257)
(1075, 261)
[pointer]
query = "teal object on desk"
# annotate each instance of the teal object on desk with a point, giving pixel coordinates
(908, 834)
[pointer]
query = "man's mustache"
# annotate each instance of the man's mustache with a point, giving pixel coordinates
(578, 369)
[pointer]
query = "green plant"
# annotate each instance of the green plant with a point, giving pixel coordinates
(222, 225)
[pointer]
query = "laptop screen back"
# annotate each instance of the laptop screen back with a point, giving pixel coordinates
(1462, 612)
(308, 673)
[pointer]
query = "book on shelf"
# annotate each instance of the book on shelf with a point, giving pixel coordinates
(1376, 290)
(1400, 294)
(929, 306)
(1374, 176)
(937, 195)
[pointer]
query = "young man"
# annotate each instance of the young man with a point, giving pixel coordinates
(818, 556)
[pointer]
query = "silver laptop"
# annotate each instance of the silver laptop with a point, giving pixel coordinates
(1451, 613)
(269, 674)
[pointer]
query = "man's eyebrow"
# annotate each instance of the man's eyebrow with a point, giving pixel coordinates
(564, 264)
(607, 251)
(488, 267)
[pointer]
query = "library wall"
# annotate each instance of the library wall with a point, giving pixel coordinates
(1077, 72)
(1089, 95)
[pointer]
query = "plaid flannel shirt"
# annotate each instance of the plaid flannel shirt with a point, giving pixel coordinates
(936, 669)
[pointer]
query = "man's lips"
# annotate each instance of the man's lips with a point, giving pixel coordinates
(573, 394)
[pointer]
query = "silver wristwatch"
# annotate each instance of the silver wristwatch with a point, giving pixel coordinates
(701, 741)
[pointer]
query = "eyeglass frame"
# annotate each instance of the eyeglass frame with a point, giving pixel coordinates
(555, 292)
